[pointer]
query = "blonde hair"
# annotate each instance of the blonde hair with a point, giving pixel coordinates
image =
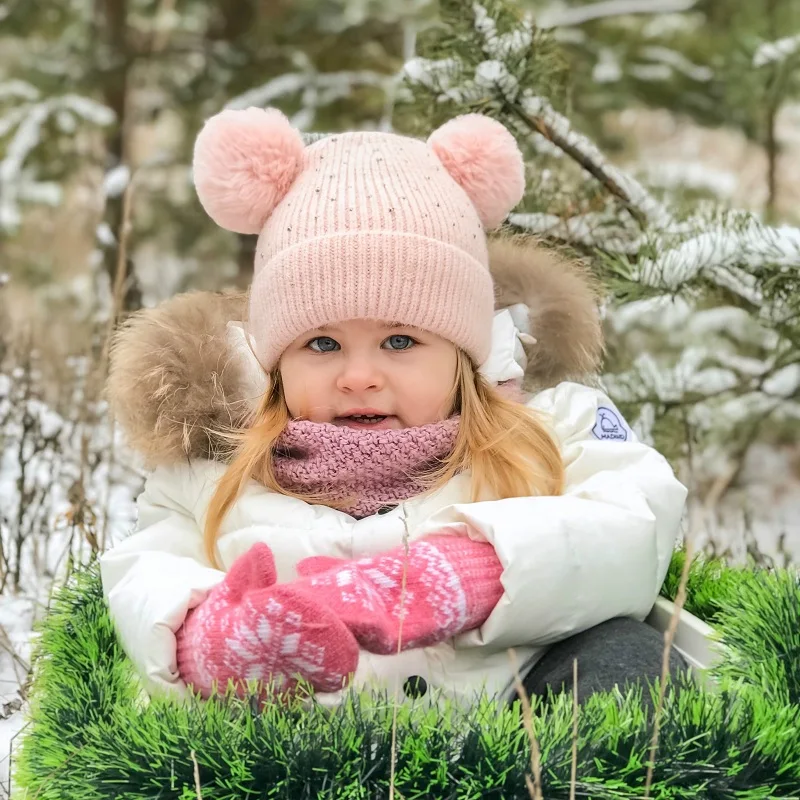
(504, 444)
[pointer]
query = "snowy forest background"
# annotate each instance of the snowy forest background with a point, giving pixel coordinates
(663, 145)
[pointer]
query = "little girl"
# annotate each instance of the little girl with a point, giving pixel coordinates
(392, 506)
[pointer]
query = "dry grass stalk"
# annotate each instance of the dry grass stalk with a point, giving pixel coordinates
(196, 776)
(118, 296)
(56, 769)
(8, 646)
(393, 763)
(669, 637)
(535, 785)
(573, 778)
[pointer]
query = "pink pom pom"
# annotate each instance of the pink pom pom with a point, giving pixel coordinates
(484, 160)
(244, 163)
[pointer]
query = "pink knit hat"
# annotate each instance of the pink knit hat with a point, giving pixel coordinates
(362, 225)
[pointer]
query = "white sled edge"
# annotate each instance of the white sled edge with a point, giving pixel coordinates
(692, 636)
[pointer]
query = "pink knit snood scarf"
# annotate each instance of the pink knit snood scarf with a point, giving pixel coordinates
(372, 468)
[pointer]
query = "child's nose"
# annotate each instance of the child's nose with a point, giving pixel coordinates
(359, 375)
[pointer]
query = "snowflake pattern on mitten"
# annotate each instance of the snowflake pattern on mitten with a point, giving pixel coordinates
(440, 586)
(250, 629)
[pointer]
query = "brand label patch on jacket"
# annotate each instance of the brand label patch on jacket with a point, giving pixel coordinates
(610, 426)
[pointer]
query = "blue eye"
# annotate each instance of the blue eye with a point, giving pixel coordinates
(325, 344)
(400, 342)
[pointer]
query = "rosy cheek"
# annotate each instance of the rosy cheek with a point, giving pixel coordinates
(294, 404)
(309, 400)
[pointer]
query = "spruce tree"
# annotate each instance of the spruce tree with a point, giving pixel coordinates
(702, 301)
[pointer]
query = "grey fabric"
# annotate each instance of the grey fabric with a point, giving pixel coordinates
(619, 652)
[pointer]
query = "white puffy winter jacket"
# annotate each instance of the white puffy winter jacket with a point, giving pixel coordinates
(600, 550)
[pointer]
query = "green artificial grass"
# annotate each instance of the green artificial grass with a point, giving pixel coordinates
(91, 737)
(711, 584)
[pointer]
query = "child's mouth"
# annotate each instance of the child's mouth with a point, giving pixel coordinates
(371, 421)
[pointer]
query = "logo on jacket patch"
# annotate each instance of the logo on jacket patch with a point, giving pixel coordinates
(610, 426)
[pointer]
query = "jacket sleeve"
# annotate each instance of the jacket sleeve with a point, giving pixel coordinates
(600, 550)
(152, 579)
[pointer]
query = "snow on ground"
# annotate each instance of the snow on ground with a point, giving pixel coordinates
(17, 615)
(16, 619)
(19, 610)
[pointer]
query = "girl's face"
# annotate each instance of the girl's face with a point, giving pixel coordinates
(370, 375)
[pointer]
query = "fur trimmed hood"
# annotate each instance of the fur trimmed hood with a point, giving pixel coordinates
(181, 371)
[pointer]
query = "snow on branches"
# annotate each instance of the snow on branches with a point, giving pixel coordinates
(777, 51)
(702, 315)
(24, 123)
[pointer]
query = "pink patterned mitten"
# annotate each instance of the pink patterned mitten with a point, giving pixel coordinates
(452, 583)
(248, 628)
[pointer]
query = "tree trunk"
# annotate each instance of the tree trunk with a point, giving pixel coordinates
(772, 160)
(773, 106)
(114, 79)
(234, 19)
